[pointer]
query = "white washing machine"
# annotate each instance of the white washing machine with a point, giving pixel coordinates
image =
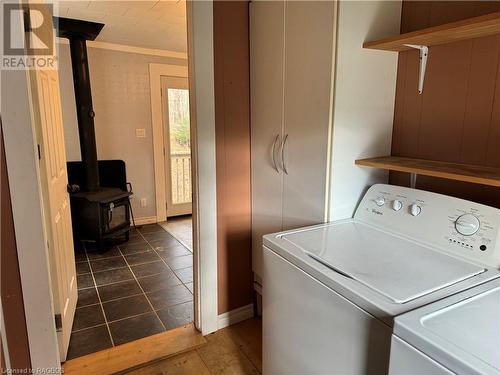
(457, 335)
(332, 291)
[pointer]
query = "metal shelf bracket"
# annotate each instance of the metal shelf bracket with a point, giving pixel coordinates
(413, 180)
(424, 54)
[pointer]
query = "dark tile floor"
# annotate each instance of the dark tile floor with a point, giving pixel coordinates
(133, 290)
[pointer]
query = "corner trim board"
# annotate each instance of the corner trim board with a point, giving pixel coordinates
(235, 316)
(202, 111)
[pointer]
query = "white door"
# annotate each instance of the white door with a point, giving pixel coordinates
(177, 145)
(266, 90)
(309, 43)
(46, 102)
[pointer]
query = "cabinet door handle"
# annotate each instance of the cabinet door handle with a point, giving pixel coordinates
(283, 163)
(276, 140)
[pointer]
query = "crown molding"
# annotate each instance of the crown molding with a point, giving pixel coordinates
(131, 49)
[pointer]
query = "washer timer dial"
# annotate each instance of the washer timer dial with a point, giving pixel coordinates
(467, 224)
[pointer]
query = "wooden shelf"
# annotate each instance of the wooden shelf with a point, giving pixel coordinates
(470, 28)
(452, 171)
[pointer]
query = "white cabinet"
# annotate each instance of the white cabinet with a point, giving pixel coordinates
(291, 77)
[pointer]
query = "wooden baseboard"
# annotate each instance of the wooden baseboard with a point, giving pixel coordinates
(235, 316)
(145, 220)
(136, 353)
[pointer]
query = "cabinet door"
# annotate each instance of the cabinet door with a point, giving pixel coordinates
(309, 50)
(266, 86)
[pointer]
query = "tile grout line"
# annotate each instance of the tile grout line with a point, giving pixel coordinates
(127, 317)
(129, 267)
(165, 262)
(100, 302)
(144, 293)
(114, 321)
(121, 281)
(114, 299)
(161, 259)
(168, 266)
(141, 277)
(132, 295)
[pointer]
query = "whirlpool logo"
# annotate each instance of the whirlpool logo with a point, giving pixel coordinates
(28, 37)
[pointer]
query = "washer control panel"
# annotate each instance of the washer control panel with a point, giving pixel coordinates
(461, 227)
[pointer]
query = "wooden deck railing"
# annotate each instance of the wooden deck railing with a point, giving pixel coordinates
(181, 177)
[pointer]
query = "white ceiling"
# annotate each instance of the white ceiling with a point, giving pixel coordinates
(147, 24)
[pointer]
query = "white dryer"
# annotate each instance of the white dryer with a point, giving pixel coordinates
(332, 291)
(457, 335)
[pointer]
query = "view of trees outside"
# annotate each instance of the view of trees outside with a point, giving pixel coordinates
(178, 105)
(180, 145)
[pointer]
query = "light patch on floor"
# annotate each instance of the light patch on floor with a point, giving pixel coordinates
(181, 228)
(233, 350)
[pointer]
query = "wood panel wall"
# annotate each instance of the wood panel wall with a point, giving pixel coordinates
(457, 118)
(10, 279)
(232, 127)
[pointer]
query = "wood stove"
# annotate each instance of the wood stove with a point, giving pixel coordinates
(99, 212)
(103, 214)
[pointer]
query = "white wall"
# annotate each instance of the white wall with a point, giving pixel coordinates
(364, 100)
(121, 98)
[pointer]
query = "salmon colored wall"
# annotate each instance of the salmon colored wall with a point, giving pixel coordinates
(457, 118)
(232, 127)
(10, 279)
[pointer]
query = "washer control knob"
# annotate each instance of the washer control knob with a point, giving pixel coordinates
(415, 209)
(380, 201)
(397, 205)
(467, 224)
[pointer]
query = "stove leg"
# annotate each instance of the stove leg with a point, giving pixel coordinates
(100, 246)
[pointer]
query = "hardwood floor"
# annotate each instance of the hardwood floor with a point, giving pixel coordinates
(231, 351)
(181, 228)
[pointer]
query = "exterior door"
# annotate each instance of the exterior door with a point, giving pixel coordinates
(177, 145)
(266, 90)
(46, 102)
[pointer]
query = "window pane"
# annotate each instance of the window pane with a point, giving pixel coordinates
(180, 145)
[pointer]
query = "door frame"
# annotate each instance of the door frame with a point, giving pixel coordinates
(179, 208)
(156, 71)
(200, 32)
(26, 197)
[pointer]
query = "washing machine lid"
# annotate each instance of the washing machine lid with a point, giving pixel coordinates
(472, 325)
(395, 267)
(462, 332)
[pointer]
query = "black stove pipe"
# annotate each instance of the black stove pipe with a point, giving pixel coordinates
(84, 112)
(78, 32)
